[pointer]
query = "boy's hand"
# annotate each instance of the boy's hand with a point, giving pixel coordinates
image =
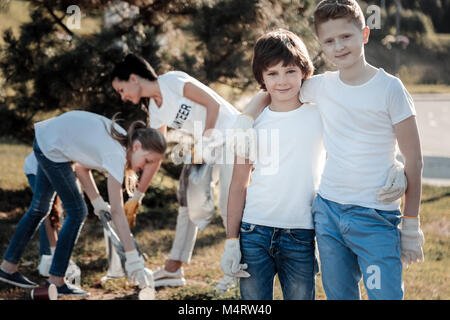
(395, 186)
(412, 240)
(131, 207)
(100, 205)
(242, 142)
(231, 259)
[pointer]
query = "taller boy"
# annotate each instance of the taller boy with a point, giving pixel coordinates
(364, 112)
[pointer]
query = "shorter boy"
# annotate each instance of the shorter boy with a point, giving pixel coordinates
(272, 215)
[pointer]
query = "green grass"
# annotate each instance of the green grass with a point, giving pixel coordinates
(12, 155)
(155, 233)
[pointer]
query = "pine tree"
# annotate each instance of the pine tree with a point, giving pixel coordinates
(52, 68)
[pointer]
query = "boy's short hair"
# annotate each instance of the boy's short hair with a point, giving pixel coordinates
(336, 9)
(276, 46)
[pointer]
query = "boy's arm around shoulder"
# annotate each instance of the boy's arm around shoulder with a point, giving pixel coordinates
(309, 89)
(257, 104)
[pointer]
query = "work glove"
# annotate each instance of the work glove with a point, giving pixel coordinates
(412, 240)
(242, 141)
(395, 186)
(231, 260)
(131, 207)
(100, 205)
(137, 273)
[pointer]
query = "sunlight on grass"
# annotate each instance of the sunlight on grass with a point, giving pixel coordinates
(12, 157)
(427, 88)
(155, 232)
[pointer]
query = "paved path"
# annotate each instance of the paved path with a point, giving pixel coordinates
(433, 118)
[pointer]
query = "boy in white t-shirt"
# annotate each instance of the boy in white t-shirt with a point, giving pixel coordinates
(269, 220)
(365, 112)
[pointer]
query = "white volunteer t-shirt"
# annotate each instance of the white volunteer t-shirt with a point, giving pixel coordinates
(31, 164)
(359, 137)
(80, 136)
(179, 112)
(287, 169)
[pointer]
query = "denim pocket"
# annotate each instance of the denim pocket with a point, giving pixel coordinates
(392, 218)
(247, 227)
(302, 236)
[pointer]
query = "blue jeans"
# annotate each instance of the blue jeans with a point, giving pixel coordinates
(44, 244)
(357, 242)
(288, 252)
(51, 177)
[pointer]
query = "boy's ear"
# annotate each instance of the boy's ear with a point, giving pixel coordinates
(366, 33)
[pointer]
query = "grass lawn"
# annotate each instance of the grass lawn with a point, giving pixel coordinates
(155, 232)
(427, 88)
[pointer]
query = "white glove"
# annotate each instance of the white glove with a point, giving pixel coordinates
(137, 273)
(100, 205)
(412, 240)
(242, 141)
(231, 259)
(395, 186)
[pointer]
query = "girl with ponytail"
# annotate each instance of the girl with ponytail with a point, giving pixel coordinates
(92, 142)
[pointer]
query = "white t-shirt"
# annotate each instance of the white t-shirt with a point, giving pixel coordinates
(179, 112)
(291, 143)
(31, 164)
(358, 123)
(80, 136)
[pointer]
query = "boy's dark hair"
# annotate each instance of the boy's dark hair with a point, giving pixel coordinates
(280, 46)
(336, 9)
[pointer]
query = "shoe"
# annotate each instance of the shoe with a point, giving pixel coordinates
(164, 278)
(170, 282)
(17, 279)
(69, 289)
(226, 283)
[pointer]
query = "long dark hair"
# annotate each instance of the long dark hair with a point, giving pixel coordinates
(134, 64)
(151, 140)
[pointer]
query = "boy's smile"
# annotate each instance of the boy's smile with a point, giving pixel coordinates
(283, 84)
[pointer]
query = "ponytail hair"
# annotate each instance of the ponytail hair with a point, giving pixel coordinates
(151, 140)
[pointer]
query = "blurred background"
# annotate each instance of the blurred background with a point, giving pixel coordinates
(56, 55)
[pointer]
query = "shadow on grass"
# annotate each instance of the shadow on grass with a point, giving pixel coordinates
(436, 198)
(14, 200)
